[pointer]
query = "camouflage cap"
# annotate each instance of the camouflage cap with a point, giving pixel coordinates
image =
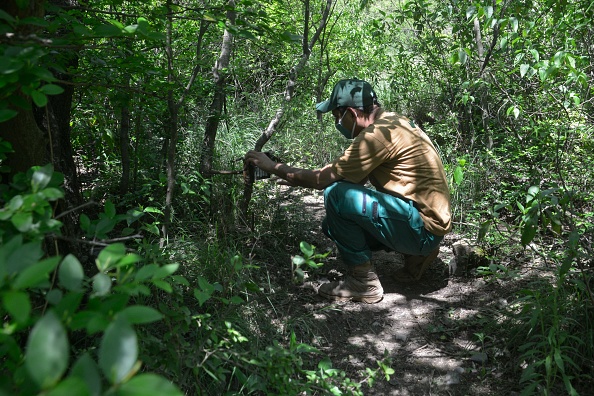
(349, 93)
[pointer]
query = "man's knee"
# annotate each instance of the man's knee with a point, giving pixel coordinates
(331, 192)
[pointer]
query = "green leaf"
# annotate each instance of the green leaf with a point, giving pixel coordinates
(107, 31)
(71, 273)
(484, 229)
(528, 233)
(151, 209)
(533, 193)
(39, 98)
(110, 255)
(17, 304)
(22, 221)
(462, 56)
(71, 386)
(109, 209)
(41, 177)
(298, 260)
(47, 353)
(140, 314)
(201, 296)
(86, 369)
(85, 222)
(52, 194)
(104, 226)
(161, 284)
(148, 385)
(54, 296)
(130, 258)
(458, 175)
(7, 114)
(51, 89)
(516, 112)
(101, 284)
(10, 65)
(306, 248)
(118, 351)
(559, 360)
(524, 69)
(146, 272)
(165, 270)
(35, 274)
(7, 17)
(16, 256)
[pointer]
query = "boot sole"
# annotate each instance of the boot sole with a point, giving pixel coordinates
(365, 299)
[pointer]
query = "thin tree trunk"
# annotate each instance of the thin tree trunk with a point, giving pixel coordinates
(216, 107)
(171, 127)
(124, 147)
(171, 130)
(288, 95)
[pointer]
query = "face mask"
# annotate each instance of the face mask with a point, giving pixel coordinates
(345, 132)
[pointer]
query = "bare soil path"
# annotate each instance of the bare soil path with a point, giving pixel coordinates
(437, 332)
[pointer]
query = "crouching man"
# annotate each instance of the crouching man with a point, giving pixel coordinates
(408, 210)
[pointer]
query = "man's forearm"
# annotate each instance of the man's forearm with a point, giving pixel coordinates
(297, 176)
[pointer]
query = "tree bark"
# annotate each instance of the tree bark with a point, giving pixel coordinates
(124, 147)
(288, 95)
(22, 132)
(171, 127)
(216, 106)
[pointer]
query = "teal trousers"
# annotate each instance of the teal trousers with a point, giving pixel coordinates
(361, 220)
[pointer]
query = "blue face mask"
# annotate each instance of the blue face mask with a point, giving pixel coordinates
(345, 132)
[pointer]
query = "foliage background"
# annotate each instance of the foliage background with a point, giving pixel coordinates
(503, 88)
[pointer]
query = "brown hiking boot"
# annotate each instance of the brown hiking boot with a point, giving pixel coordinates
(362, 285)
(415, 266)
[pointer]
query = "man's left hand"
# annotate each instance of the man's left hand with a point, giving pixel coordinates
(260, 160)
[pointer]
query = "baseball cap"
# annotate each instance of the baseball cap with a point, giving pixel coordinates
(348, 93)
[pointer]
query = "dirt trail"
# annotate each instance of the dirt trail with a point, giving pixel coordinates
(428, 328)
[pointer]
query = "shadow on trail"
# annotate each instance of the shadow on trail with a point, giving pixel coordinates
(428, 329)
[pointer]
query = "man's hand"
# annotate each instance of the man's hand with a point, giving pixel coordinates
(260, 160)
(291, 176)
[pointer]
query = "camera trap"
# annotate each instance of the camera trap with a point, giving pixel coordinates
(260, 174)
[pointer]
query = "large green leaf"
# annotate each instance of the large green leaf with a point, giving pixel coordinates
(51, 89)
(118, 351)
(110, 255)
(148, 385)
(41, 176)
(138, 314)
(18, 305)
(16, 256)
(86, 369)
(46, 358)
(22, 221)
(101, 284)
(71, 273)
(36, 274)
(71, 386)
(7, 114)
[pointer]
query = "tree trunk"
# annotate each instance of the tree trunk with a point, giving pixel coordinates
(288, 95)
(124, 148)
(27, 140)
(170, 129)
(22, 132)
(216, 107)
(54, 120)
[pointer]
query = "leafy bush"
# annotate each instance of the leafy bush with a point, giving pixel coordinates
(64, 332)
(69, 333)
